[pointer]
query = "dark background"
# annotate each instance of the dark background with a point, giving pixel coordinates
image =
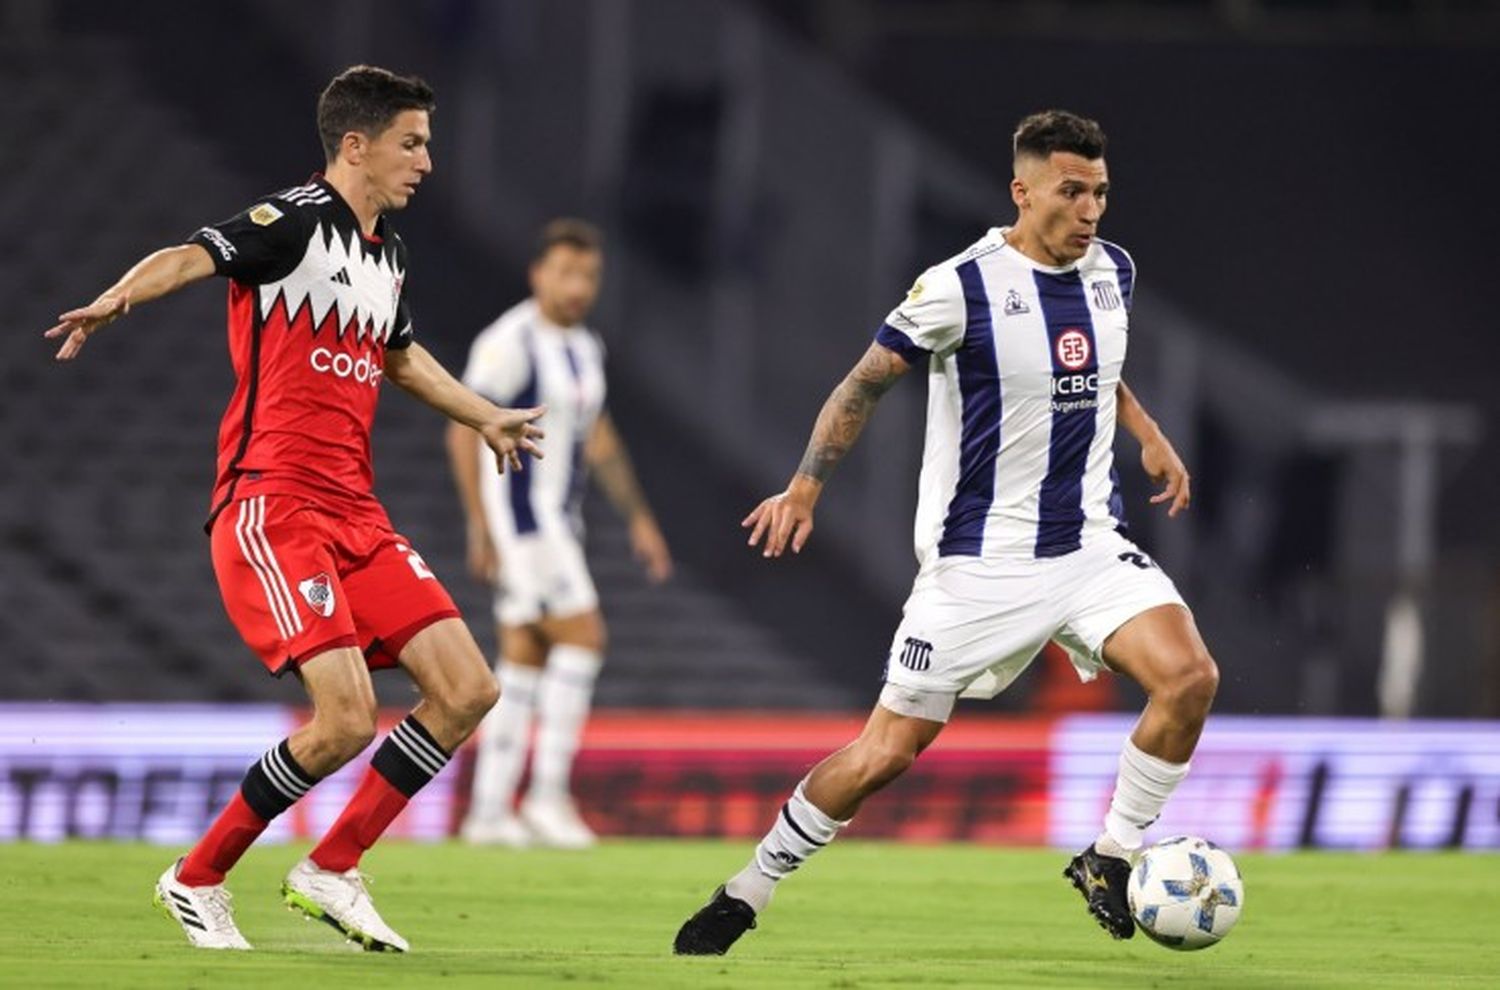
(1306, 190)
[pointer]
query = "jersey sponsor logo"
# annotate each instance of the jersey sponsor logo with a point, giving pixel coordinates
(226, 250)
(264, 215)
(318, 590)
(1072, 393)
(342, 364)
(1073, 351)
(1014, 305)
(1105, 294)
(916, 654)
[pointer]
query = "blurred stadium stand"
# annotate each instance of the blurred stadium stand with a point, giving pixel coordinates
(765, 211)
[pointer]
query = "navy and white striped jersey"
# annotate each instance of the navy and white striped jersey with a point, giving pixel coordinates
(522, 360)
(1023, 365)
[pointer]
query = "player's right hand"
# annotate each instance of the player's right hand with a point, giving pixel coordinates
(782, 519)
(77, 325)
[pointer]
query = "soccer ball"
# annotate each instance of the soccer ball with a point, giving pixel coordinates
(1185, 893)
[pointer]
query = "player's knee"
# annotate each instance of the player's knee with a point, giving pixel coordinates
(341, 733)
(469, 699)
(354, 730)
(486, 695)
(1194, 684)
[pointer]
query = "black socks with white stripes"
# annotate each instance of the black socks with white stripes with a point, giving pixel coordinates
(275, 782)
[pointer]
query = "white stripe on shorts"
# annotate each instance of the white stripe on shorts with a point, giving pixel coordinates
(251, 540)
(258, 533)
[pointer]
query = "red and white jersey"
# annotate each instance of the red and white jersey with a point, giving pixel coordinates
(313, 307)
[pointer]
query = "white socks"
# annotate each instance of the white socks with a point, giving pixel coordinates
(1141, 791)
(503, 737)
(801, 829)
(563, 701)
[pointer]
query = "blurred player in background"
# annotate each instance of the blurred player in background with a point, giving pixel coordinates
(1019, 528)
(525, 537)
(312, 574)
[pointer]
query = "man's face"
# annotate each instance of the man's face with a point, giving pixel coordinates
(1061, 200)
(565, 282)
(397, 160)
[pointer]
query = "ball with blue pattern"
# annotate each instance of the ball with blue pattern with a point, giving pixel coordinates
(1186, 893)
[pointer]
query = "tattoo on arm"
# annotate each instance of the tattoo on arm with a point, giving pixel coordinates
(848, 409)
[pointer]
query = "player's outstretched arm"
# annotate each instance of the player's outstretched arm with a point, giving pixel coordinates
(508, 432)
(1158, 456)
(154, 276)
(610, 463)
(788, 517)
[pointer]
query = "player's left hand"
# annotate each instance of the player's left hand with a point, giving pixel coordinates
(77, 325)
(1165, 468)
(650, 548)
(511, 433)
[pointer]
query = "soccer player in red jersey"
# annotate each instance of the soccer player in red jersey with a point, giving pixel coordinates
(312, 573)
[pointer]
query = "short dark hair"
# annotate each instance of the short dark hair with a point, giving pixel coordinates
(1058, 130)
(568, 231)
(366, 98)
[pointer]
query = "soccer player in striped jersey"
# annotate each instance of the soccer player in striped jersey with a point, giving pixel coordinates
(524, 537)
(313, 575)
(1019, 531)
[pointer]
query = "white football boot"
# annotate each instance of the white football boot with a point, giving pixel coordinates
(502, 830)
(340, 900)
(203, 912)
(555, 822)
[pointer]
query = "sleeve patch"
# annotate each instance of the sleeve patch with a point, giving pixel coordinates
(221, 243)
(264, 215)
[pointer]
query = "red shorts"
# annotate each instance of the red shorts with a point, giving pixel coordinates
(298, 580)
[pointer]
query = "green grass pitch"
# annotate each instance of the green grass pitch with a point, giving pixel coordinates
(863, 914)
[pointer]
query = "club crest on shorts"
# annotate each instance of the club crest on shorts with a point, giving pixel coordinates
(319, 594)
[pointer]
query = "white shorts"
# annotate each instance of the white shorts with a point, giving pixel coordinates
(972, 625)
(542, 575)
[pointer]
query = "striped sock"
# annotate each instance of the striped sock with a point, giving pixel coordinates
(407, 759)
(272, 784)
(801, 829)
